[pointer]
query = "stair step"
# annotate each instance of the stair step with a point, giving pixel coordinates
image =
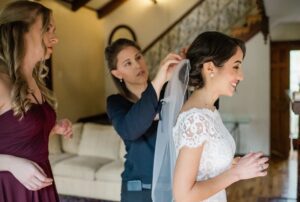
(238, 31)
(253, 19)
(243, 30)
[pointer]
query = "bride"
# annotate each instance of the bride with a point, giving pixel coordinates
(196, 161)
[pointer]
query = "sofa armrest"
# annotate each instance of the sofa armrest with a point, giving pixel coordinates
(54, 145)
(71, 145)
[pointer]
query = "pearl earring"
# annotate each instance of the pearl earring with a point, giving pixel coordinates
(121, 80)
(212, 75)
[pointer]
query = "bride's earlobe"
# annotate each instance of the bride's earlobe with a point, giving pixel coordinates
(208, 69)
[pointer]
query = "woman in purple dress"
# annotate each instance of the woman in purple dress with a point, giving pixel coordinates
(27, 116)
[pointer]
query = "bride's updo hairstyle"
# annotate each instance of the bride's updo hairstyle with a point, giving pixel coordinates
(212, 47)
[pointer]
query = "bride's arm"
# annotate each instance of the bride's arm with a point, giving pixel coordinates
(187, 189)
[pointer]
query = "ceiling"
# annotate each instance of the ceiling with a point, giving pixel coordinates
(278, 11)
(102, 7)
(92, 4)
(282, 12)
(96, 4)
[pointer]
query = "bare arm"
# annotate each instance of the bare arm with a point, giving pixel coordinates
(25, 171)
(187, 189)
(5, 162)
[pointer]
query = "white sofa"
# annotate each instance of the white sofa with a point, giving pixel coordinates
(90, 164)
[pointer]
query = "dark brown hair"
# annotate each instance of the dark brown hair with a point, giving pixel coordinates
(210, 46)
(111, 53)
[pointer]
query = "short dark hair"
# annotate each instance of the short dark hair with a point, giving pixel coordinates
(111, 53)
(211, 46)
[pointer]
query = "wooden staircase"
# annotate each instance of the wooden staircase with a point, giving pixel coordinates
(239, 18)
(253, 24)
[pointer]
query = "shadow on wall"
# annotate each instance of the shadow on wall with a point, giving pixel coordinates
(98, 118)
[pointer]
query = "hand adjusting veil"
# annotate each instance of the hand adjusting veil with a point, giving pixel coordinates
(165, 153)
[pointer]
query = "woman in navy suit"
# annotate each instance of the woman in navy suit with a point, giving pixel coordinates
(133, 112)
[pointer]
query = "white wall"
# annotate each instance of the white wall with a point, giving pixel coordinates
(279, 11)
(148, 21)
(286, 32)
(77, 61)
(78, 75)
(4, 2)
(252, 99)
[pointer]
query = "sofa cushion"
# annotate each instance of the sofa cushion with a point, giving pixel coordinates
(54, 145)
(83, 167)
(55, 158)
(99, 141)
(72, 145)
(111, 171)
(122, 151)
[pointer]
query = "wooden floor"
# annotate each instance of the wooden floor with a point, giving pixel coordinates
(280, 184)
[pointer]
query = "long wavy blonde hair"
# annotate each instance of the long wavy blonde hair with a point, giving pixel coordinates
(15, 20)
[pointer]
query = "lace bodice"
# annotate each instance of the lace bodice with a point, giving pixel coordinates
(196, 126)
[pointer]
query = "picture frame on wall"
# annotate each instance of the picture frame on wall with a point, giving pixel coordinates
(122, 31)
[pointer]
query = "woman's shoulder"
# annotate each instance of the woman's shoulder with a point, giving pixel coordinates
(197, 114)
(193, 127)
(115, 98)
(117, 101)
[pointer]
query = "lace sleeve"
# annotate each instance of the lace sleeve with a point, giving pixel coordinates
(194, 129)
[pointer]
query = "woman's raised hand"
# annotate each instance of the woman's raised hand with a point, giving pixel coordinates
(167, 67)
(30, 174)
(250, 166)
(165, 71)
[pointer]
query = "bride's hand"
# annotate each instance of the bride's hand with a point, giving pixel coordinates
(250, 166)
(235, 161)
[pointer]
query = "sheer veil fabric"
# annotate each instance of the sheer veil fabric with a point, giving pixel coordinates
(165, 153)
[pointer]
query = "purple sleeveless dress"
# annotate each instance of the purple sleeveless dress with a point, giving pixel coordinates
(28, 139)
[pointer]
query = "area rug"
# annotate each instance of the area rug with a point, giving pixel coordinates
(63, 198)
(276, 199)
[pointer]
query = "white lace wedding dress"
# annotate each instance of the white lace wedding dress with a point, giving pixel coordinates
(195, 126)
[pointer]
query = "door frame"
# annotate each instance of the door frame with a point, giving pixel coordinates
(280, 145)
